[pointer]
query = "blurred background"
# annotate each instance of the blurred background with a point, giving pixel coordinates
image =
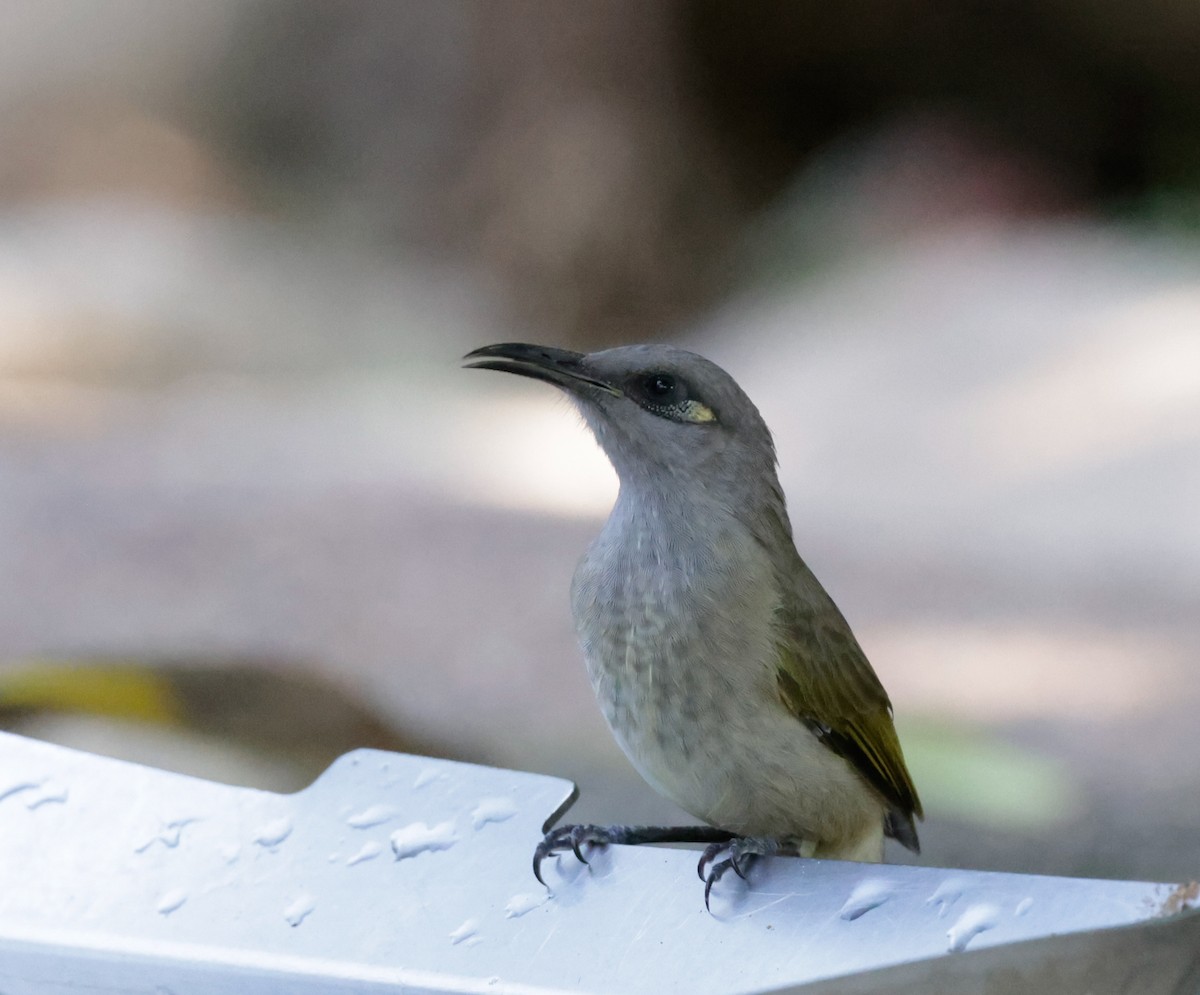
(252, 514)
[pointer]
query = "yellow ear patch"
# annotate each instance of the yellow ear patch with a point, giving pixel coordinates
(694, 411)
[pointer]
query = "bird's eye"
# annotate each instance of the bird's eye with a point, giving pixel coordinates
(661, 386)
(667, 396)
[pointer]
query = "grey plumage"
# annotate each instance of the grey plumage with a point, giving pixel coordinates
(725, 671)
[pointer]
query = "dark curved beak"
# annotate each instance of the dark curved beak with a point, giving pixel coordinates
(556, 366)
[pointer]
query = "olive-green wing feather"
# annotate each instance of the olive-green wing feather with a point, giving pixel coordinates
(825, 680)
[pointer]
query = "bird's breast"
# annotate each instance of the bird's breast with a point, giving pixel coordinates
(678, 634)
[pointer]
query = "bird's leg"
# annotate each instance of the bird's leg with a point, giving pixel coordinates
(739, 853)
(575, 838)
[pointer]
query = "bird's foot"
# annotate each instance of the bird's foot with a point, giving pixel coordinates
(573, 838)
(736, 854)
(577, 838)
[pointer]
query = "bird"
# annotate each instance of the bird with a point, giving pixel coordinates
(726, 673)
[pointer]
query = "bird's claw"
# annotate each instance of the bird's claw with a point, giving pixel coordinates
(740, 852)
(737, 855)
(715, 875)
(573, 838)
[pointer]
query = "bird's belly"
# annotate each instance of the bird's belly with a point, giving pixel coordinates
(695, 706)
(759, 773)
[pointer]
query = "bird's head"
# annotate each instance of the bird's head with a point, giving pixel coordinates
(665, 417)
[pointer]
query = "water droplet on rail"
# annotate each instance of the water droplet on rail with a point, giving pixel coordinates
(870, 894)
(374, 816)
(946, 894)
(977, 919)
(492, 810)
(17, 787)
(274, 832)
(465, 932)
(428, 776)
(1023, 906)
(169, 834)
(368, 851)
(299, 910)
(48, 793)
(170, 901)
(525, 902)
(417, 838)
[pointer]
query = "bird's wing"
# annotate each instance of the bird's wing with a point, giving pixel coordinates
(826, 682)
